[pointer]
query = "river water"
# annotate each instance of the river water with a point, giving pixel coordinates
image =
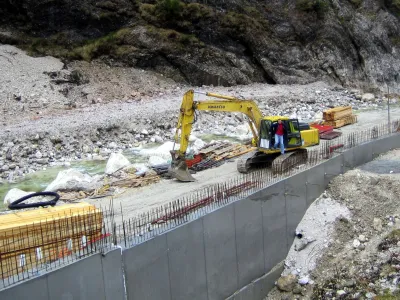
(38, 181)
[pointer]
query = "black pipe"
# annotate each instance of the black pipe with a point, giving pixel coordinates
(18, 205)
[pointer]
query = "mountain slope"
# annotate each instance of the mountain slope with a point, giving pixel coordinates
(350, 42)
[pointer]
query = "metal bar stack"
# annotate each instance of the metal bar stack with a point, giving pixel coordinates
(33, 238)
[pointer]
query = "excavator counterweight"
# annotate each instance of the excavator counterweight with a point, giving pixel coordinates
(296, 138)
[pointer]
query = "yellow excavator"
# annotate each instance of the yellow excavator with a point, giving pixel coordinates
(297, 138)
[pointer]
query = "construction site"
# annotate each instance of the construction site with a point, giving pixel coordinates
(232, 220)
(147, 163)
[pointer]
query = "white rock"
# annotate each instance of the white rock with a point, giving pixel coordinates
(116, 162)
(318, 116)
(85, 148)
(144, 132)
(368, 97)
(377, 224)
(199, 144)
(113, 145)
(14, 194)
(370, 295)
(152, 140)
(304, 280)
(340, 292)
(362, 238)
(73, 180)
(158, 139)
(141, 168)
(192, 138)
(38, 154)
(356, 243)
(156, 160)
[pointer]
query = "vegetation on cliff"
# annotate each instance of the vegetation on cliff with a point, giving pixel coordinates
(351, 42)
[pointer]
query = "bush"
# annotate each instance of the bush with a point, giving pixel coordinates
(356, 3)
(148, 12)
(317, 6)
(169, 8)
(394, 6)
(240, 24)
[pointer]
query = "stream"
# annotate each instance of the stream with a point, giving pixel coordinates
(39, 180)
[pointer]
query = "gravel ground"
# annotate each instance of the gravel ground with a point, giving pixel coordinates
(100, 110)
(52, 112)
(139, 200)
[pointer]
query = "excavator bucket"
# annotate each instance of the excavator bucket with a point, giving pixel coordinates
(178, 168)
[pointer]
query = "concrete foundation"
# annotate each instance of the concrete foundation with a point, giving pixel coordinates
(230, 253)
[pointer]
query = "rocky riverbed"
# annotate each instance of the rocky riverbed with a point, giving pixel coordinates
(58, 113)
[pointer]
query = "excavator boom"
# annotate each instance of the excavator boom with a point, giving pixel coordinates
(260, 126)
(178, 168)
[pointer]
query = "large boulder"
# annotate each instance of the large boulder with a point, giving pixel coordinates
(15, 194)
(156, 160)
(117, 161)
(74, 180)
(368, 97)
(287, 283)
(198, 144)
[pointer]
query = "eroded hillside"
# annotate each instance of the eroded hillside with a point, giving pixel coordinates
(350, 42)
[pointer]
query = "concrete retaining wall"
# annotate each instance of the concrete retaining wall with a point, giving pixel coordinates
(231, 253)
(96, 277)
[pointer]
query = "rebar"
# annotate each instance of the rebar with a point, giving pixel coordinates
(104, 234)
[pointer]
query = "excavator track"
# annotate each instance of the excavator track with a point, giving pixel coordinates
(243, 164)
(289, 160)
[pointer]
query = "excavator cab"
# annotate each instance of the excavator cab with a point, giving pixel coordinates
(292, 138)
(295, 140)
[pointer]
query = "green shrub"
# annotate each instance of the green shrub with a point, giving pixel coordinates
(102, 46)
(241, 24)
(196, 11)
(356, 3)
(107, 5)
(169, 8)
(394, 6)
(148, 12)
(318, 6)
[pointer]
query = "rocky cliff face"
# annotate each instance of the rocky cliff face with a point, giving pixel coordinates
(350, 42)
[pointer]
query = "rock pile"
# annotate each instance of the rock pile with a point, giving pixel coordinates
(355, 255)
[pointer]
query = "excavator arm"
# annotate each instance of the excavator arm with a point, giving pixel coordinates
(178, 168)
